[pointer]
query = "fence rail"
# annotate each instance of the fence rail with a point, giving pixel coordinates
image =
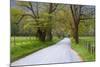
(89, 45)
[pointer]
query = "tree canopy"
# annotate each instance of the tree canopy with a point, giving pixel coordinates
(45, 20)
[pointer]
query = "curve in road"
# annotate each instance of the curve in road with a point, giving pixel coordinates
(61, 52)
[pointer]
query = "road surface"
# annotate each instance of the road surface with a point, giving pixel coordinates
(61, 52)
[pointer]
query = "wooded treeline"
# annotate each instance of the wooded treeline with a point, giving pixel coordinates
(45, 20)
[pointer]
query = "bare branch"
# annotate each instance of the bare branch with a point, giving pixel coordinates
(26, 6)
(32, 9)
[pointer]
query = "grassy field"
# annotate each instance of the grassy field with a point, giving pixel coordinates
(82, 51)
(24, 46)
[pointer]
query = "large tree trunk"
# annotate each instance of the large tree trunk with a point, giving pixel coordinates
(49, 34)
(76, 36)
(41, 34)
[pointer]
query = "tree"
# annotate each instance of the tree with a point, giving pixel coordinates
(87, 21)
(34, 13)
(51, 9)
(15, 13)
(76, 12)
(61, 25)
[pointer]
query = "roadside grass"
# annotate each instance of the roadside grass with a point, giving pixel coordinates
(26, 45)
(82, 51)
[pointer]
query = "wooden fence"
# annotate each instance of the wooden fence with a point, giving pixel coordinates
(89, 45)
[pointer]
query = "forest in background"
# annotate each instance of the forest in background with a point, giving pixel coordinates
(49, 19)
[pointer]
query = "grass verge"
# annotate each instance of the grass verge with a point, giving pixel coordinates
(82, 51)
(25, 47)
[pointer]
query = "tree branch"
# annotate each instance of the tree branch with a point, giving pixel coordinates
(73, 14)
(54, 8)
(23, 17)
(32, 9)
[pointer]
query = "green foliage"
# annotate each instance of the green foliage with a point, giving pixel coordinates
(15, 14)
(61, 22)
(87, 27)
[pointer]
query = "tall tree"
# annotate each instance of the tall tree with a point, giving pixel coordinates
(80, 12)
(76, 12)
(33, 11)
(51, 9)
(15, 13)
